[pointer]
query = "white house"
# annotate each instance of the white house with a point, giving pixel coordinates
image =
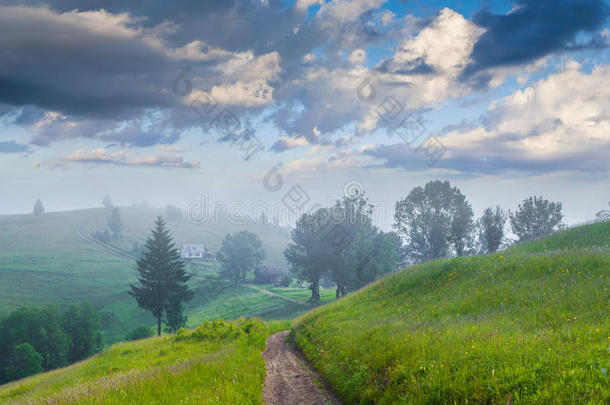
(190, 251)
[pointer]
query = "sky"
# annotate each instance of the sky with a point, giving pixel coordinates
(279, 106)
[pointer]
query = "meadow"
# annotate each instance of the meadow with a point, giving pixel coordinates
(44, 260)
(217, 363)
(526, 326)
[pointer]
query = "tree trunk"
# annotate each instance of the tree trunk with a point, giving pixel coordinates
(159, 325)
(315, 291)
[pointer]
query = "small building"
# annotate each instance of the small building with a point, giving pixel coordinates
(190, 251)
(270, 274)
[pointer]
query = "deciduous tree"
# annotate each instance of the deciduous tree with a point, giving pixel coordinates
(535, 217)
(434, 220)
(491, 229)
(239, 255)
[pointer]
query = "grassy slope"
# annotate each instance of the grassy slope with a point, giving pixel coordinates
(218, 363)
(43, 260)
(534, 326)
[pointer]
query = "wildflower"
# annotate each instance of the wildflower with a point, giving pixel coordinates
(549, 349)
(596, 329)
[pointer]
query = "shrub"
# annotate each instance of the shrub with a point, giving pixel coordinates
(141, 332)
(23, 361)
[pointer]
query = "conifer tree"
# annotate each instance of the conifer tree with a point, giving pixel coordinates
(38, 208)
(161, 275)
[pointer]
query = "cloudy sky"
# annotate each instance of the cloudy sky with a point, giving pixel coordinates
(243, 100)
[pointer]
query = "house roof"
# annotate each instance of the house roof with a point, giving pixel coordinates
(191, 248)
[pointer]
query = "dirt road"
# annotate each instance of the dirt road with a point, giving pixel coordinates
(289, 380)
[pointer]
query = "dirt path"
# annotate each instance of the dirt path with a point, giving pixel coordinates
(103, 246)
(289, 380)
(277, 295)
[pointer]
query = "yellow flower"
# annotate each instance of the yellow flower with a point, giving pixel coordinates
(596, 329)
(549, 349)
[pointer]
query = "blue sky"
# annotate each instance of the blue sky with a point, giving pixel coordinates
(92, 101)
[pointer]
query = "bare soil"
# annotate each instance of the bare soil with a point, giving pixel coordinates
(289, 379)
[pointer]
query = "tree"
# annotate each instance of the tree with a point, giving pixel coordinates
(38, 208)
(41, 328)
(82, 324)
(309, 256)
(108, 206)
(239, 255)
(491, 229)
(175, 317)
(115, 223)
(23, 361)
(368, 254)
(535, 217)
(433, 220)
(161, 275)
(462, 223)
(603, 215)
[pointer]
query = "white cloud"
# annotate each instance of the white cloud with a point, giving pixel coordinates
(303, 5)
(124, 157)
(358, 57)
(342, 11)
(561, 118)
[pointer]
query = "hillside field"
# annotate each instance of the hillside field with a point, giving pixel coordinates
(217, 363)
(526, 326)
(530, 325)
(51, 259)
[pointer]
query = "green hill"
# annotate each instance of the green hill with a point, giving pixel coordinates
(525, 326)
(53, 259)
(218, 363)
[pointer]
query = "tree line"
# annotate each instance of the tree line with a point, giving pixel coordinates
(436, 221)
(432, 221)
(341, 243)
(40, 339)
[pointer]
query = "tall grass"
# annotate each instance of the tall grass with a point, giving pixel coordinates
(217, 363)
(518, 327)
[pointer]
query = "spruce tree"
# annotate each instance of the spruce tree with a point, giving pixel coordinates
(38, 208)
(161, 275)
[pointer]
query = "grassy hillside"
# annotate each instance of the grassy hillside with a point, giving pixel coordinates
(217, 363)
(597, 234)
(525, 326)
(49, 259)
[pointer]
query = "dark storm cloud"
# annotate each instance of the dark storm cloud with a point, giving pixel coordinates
(57, 62)
(534, 29)
(12, 147)
(96, 68)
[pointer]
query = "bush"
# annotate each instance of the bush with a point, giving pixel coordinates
(285, 281)
(23, 361)
(141, 332)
